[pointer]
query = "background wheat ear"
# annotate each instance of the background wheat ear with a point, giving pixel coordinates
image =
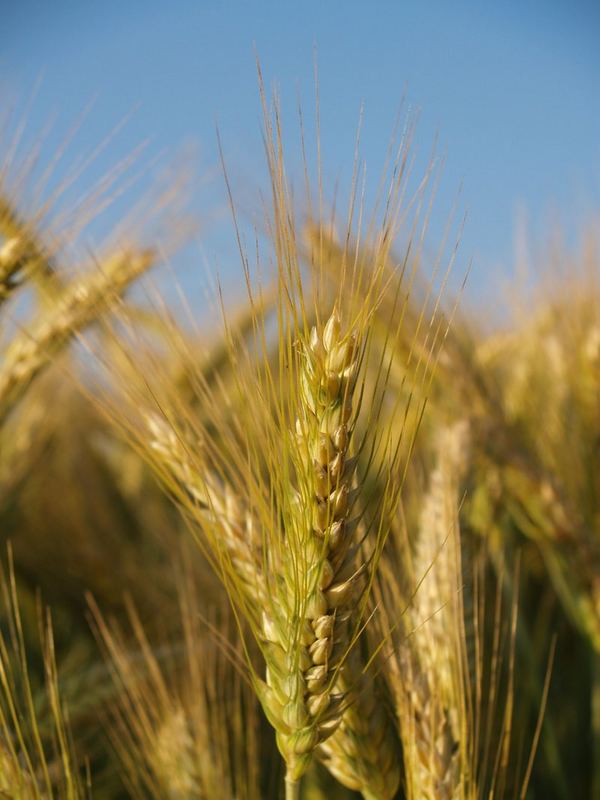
(184, 722)
(435, 664)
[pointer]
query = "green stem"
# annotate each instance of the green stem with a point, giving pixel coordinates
(292, 789)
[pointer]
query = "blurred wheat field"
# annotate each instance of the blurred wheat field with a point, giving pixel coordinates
(345, 544)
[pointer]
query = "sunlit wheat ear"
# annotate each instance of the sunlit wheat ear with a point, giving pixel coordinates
(279, 444)
(22, 256)
(10, 264)
(173, 756)
(316, 694)
(550, 383)
(362, 753)
(436, 752)
(308, 627)
(51, 288)
(437, 556)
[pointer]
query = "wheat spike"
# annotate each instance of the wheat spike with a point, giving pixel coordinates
(173, 758)
(10, 263)
(78, 305)
(308, 631)
(22, 255)
(216, 501)
(362, 752)
(435, 696)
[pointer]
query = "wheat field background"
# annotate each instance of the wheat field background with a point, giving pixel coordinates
(326, 527)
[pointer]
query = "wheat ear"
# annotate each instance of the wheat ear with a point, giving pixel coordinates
(21, 254)
(436, 765)
(215, 500)
(10, 264)
(362, 752)
(76, 306)
(308, 631)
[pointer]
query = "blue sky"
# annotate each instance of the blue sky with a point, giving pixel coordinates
(512, 90)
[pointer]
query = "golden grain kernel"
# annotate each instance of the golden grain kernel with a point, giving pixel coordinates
(325, 451)
(320, 651)
(323, 626)
(335, 534)
(340, 594)
(316, 605)
(339, 501)
(332, 385)
(336, 467)
(331, 332)
(340, 437)
(321, 515)
(322, 481)
(317, 703)
(316, 678)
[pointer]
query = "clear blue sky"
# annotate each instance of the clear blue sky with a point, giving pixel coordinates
(512, 89)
